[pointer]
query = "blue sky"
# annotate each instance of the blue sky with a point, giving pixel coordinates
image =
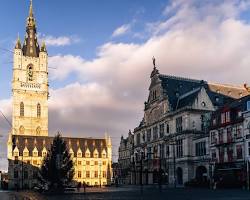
(101, 55)
(90, 21)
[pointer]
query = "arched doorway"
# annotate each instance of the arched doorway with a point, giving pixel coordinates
(201, 174)
(179, 174)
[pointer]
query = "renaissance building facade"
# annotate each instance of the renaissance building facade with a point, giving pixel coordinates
(171, 143)
(29, 141)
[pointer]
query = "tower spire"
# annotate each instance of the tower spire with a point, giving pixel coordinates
(31, 46)
(31, 9)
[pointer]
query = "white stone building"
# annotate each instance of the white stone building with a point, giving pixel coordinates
(171, 142)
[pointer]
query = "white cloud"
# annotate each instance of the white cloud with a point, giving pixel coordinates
(121, 30)
(58, 41)
(208, 45)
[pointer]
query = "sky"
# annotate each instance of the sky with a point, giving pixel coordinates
(100, 56)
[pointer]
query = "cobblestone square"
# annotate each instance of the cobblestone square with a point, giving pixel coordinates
(135, 193)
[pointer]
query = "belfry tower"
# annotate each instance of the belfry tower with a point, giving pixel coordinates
(30, 84)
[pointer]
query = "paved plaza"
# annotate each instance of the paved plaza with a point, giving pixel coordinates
(134, 193)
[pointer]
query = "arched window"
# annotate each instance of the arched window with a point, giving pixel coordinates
(21, 109)
(30, 72)
(38, 110)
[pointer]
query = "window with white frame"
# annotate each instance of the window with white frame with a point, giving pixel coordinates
(155, 132)
(227, 116)
(200, 148)
(213, 137)
(239, 151)
(222, 117)
(161, 130)
(179, 148)
(179, 124)
(149, 135)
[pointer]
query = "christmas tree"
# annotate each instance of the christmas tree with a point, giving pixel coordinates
(57, 169)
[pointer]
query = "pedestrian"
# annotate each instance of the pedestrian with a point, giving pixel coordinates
(78, 187)
(84, 187)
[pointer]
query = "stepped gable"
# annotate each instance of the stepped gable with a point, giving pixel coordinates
(22, 141)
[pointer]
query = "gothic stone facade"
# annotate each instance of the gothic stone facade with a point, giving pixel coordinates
(171, 142)
(91, 158)
(28, 140)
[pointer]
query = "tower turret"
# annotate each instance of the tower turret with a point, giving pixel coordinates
(18, 43)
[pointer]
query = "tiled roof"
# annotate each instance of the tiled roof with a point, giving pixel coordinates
(188, 98)
(45, 141)
(233, 91)
(176, 87)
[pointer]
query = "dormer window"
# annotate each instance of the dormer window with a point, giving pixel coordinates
(95, 154)
(44, 153)
(35, 153)
(87, 153)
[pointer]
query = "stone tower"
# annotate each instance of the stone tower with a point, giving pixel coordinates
(30, 84)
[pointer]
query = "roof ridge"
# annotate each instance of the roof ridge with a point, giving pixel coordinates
(190, 92)
(227, 85)
(181, 78)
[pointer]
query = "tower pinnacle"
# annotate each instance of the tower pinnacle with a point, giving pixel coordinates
(31, 9)
(31, 46)
(18, 43)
